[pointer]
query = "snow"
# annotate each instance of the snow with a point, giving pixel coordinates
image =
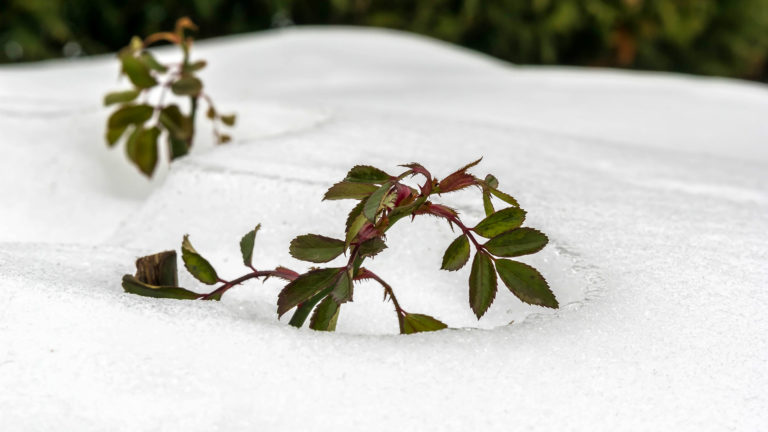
(652, 188)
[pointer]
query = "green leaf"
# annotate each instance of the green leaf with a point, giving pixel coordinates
(198, 65)
(526, 283)
(120, 97)
(367, 174)
(136, 44)
(415, 323)
(306, 286)
(150, 61)
(353, 214)
(130, 144)
(373, 203)
(198, 266)
(143, 149)
(316, 248)
(187, 86)
(482, 284)
(128, 115)
(134, 286)
(457, 254)
(349, 190)
(228, 120)
(178, 147)
(371, 247)
(179, 129)
(355, 228)
(325, 316)
(137, 72)
(520, 241)
(487, 204)
(246, 245)
(304, 308)
(501, 221)
(113, 135)
(343, 289)
(504, 197)
(492, 181)
(178, 125)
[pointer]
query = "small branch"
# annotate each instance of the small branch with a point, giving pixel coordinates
(192, 115)
(214, 120)
(161, 100)
(352, 257)
(229, 284)
(441, 212)
(467, 232)
(367, 274)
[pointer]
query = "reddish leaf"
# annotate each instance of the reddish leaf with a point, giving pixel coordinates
(416, 169)
(456, 181)
(469, 165)
(403, 192)
(438, 210)
(286, 273)
(367, 232)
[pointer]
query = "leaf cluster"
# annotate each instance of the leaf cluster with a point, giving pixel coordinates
(382, 200)
(141, 123)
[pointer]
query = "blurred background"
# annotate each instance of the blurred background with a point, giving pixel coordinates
(708, 37)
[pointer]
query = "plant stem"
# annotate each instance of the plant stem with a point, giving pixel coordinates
(229, 284)
(467, 232)
(209, 101)
(192, 114)
(387, 288)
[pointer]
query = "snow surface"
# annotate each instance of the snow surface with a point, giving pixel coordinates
(652, 188)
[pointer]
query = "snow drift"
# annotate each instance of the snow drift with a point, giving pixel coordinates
(652, 188)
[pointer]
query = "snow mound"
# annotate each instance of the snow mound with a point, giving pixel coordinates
(651, 187)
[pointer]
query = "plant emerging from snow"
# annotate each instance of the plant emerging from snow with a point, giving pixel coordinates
(145, 122)
(383, 200)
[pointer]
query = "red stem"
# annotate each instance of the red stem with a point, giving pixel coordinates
(365, 273)
(229, 284)
(467, 232)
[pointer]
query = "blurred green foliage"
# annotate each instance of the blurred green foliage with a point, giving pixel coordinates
(711, 37)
